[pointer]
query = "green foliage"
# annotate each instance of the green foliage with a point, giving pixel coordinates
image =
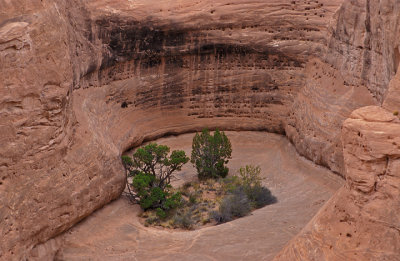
(210, 153)
(153, 159)
(173, 200)
(126, 160)
(230, 184)
(161, 213)
(250, 176)
(150, 171)
(244, 192)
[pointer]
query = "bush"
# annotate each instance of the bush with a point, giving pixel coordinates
(260, 197)
(244, 192)
(251, 182)
(250, 176)
(183, 220)
(161, 213)
(192, 198)
(150, 171)
(230, 184)
(232, 206)
(210, 153)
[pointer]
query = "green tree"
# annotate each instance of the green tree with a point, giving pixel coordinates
(149, 176)
(210, 153)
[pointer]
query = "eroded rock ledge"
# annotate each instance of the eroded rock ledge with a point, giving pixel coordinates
(82, 80)
(361, 221)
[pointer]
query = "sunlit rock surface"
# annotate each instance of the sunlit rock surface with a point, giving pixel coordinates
(83, 80)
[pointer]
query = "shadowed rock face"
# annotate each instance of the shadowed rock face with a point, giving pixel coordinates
(84, 80)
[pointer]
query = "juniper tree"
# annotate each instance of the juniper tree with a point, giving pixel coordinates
(149, 175)
(210, 153)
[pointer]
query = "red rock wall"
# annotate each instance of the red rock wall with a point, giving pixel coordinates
(51, 174)
(360, 222)
(360, 59)
(84, 80)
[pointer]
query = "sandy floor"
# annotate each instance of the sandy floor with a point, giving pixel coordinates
(114, 232)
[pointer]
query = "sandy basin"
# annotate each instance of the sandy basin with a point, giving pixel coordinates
(301, 187)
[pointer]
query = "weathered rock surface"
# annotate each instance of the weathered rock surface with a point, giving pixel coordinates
(361, 58)
(83, 80)
(52, 174)
(115, 233)
(318, 113)
(361, 221)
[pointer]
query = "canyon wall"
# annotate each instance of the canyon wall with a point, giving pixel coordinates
(361, 57)
(53, 172)
(360, 222)
(84, 80)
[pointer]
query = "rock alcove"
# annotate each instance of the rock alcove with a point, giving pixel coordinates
(83, 80)
(301, 187)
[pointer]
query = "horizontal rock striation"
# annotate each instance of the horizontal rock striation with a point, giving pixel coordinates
(361, 58)
(318, 112)
(360, 222)
(84, 80)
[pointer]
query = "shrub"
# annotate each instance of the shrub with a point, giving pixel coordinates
(251, 182)
(244, 192)
(232, 206)
(151, 220)
(193, 198)
(260, 197)
(250, 176)
(183, 220)
(230, 184)
(161, 213)
(150, 171)
(210, 153)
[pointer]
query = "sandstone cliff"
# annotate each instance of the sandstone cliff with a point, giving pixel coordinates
(83, 80)
(360, 222)
(361, 57)
(54, 168)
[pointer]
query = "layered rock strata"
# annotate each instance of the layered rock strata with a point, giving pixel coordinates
(55, 167)
(84, 80)
(361, 221)
(361, 58)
